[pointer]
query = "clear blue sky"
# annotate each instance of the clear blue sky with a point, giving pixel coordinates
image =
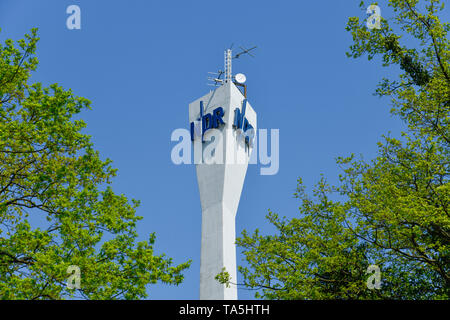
(142, 62)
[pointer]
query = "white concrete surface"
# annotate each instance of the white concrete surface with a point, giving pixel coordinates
(220, 186)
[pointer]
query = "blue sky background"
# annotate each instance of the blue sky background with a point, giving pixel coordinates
(142, 62)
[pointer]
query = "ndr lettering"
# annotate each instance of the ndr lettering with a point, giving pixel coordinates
(241, 122)
(208, 121)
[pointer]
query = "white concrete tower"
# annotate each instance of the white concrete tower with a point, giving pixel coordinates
(222, 128)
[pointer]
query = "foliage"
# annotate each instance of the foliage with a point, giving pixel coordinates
(50, 175)
(392, 211)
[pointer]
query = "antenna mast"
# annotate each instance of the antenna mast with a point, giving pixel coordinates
(228, 60)
(228, 72)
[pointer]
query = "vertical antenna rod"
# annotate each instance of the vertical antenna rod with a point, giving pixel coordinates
(228, 59)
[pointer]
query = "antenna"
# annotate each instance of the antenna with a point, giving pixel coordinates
(215, 78)
(245, 51)
(228, 59)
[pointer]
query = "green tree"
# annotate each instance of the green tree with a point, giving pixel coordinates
(393, 211)
(49, 171)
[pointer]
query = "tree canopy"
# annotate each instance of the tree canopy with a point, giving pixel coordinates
(391, 212)
(50, 172)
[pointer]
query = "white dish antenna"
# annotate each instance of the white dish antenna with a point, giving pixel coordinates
(240, 78)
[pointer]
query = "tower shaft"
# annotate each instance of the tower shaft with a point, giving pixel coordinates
(220, 175)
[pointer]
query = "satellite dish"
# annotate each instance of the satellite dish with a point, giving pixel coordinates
(240, 78)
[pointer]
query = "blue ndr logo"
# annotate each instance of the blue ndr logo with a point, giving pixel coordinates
(208, 121)
(241, 122)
